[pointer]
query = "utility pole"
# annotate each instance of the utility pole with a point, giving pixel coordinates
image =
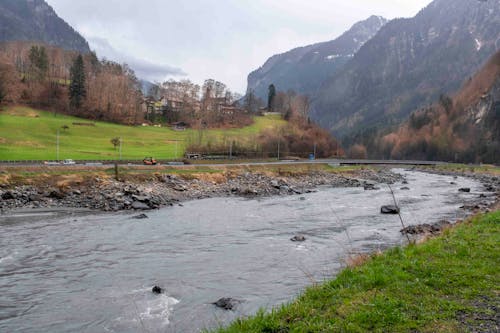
(231, 150)
(279, 150)
(120, 148)
(176, 143)
(57, 145)
(314, 151)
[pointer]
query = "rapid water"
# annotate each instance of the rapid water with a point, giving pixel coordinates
(94, 273)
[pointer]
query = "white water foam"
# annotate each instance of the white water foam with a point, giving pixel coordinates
(154, 308)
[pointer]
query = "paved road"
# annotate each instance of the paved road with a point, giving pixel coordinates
(334, 162)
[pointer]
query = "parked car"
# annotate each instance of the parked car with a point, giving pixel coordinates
(149, 161)
(69, 162)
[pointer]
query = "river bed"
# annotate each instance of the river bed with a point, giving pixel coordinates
(94, 273)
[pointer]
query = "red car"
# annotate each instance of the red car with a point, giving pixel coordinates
(149, 161)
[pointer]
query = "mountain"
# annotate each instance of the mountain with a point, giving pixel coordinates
(407, 64)
(304, 68)
(35, 20)
(463, 128)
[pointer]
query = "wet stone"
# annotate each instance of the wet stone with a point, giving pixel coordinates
(298, 238)
(227, 303)
(389, 209)
(157, 290)
(140, 216)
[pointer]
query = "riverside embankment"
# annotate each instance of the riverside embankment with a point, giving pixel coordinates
(94, 271)
(145, 189)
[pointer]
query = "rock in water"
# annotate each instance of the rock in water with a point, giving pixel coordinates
(140, 216)
(389, 209)
(226, 303)
(464, 189)
(406, 188)
(298, 238)
(156, 290)
(371, 187)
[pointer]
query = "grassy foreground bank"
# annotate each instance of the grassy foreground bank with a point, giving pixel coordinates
(447, 284)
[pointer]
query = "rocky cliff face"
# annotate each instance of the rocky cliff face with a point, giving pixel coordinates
(35, 20)
(303, 69)
(408, 64)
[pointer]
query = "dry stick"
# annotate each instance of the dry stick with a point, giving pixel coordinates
(144, 329)
(399, 211)
(308, 275)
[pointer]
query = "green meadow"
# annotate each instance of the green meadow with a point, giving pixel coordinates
(30, 134)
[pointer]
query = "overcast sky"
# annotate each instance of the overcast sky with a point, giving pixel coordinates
(220, 39)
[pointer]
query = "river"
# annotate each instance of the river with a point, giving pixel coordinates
(88, 272)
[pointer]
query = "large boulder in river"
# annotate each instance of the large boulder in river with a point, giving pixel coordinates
(227, 303)
(156, 290)
(389, 209)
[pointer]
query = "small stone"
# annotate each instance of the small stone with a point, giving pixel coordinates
(226, 303)
(156, 290)
(8, 195)
(140, 205)
(389, 209)
(464, 189)
(140, 216)
(298, 238)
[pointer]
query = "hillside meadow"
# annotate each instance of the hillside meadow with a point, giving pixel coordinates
(30, 134)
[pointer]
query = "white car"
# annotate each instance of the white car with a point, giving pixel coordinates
(68, 162)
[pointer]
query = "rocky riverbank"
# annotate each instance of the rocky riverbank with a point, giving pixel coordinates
(490, 182)
(107, 194)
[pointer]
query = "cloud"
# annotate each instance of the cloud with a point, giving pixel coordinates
(143, 68)
(222, 39)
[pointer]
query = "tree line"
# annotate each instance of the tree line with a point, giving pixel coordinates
(68, 82)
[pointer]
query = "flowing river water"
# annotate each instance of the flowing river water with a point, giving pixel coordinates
(94, 272)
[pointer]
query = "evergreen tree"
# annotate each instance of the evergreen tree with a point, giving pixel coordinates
(2, 90)
(270, 97)
(77, 92)
(39, 63)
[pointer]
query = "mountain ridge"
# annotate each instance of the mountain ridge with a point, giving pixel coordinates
(407, 64)
(303, 68)
(36, 21)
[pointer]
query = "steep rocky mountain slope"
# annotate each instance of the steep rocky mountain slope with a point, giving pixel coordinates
(408, 64)
(464, 128)
(303, 69)
(35, 20)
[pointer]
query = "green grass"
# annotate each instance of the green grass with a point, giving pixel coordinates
(29, 134)
(420, 288)
(456, 167)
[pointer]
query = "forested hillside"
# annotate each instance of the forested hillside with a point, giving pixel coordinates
(464, 127)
